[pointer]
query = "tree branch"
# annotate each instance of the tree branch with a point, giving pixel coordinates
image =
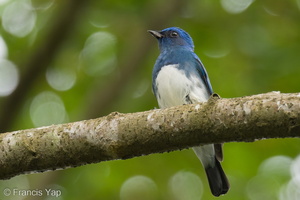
(122, 136)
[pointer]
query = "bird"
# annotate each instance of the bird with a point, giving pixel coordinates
(179, 78)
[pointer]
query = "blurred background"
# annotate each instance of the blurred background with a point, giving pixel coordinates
(65, 61)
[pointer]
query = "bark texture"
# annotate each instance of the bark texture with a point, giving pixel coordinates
(122, 136)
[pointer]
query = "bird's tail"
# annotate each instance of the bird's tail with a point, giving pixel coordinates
(217, 179)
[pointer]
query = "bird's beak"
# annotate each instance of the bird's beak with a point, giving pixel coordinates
(155, 34)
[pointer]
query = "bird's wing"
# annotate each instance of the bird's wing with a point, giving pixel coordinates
(203, 74)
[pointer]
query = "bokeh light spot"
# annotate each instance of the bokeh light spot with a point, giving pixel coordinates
(290, 191)
(47, 108)
(216, 53)
(295, 171)
(277, 166)
(42, 4)
(99, 18)
(139, 187)
(271, 174)
(9, 77)
(217, 48)
(99, 55)
(19, 18)
(3, 2)
(141, 88)
(236, 6)
(262, 187)
(61, 79)
(186, 185)
(253, 40)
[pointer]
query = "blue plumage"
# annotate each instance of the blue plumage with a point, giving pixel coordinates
(180, 78)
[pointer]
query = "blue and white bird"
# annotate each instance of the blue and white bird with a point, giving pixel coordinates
(178, 78)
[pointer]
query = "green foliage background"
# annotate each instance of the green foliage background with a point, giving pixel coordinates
(102, 61)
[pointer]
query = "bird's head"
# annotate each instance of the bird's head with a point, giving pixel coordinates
(173, 37)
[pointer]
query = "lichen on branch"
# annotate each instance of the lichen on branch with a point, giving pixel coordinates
(122, 136)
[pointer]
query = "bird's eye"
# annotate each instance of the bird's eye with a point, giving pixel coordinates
(174, 34)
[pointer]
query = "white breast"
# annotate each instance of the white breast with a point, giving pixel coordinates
(173, 87)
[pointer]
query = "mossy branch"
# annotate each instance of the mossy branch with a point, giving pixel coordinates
(122, 136)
